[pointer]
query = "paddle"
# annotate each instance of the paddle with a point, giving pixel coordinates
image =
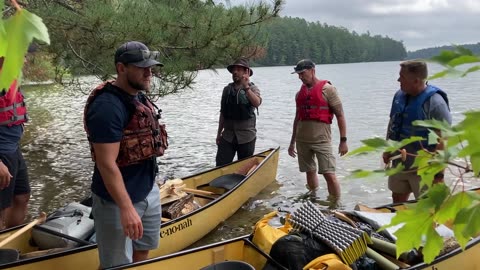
(27, 227)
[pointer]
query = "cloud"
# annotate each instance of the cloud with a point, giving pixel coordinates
(418, 23)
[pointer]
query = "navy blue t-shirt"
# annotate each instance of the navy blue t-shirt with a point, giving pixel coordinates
(106, 118)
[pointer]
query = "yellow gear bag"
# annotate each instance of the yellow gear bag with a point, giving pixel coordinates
(327, 262)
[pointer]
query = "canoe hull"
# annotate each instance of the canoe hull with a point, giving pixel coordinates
(176, 234)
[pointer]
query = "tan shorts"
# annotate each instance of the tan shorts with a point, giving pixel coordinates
(405, 182)
(307, 153)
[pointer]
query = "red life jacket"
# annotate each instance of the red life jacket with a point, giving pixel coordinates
(12, 107)
(143, 137)
(312, 106)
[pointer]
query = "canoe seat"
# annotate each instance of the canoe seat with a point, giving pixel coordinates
(227, 181)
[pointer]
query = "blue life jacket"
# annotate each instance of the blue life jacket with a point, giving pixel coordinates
(406, 109)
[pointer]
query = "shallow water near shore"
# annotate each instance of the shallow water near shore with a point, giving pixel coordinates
(60, 167)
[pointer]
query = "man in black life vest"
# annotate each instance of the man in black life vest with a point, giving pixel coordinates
(237, 122)
(317, 103)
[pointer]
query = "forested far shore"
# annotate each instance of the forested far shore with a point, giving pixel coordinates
(430, 52)
(290, 39)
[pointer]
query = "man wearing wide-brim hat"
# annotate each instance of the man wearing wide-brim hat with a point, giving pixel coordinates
(237, 131)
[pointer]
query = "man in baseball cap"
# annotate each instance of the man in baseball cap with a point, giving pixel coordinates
(317, 104)
(126, 139)
(303, 65)
(138, 54)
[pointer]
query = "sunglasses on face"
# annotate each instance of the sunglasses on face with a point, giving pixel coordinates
(138, 55)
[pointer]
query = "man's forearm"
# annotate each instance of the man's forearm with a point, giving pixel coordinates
(254, 98)
(113, 180)
(294, 130)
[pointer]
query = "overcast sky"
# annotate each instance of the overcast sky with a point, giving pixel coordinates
(418, 23)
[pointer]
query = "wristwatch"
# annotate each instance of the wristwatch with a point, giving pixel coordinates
(343, 139)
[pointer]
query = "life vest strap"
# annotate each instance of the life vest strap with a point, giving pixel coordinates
(13, 119)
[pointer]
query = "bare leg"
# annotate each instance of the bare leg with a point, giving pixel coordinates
(140, 255)
(332, 184)
(400, 197)
(312, 180)
(15, 214)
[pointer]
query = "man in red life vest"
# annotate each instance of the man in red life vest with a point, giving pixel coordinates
(14, 184)
(317, 102)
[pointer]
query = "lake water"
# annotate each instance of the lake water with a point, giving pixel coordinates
(60, 167)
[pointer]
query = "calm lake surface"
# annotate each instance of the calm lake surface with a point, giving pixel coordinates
(60, 167)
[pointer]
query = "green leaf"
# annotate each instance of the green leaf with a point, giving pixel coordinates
(365, 174)
(362, 150)
(415, 226)
(398, 145)
(472, 69)
(452, 205)
(464, 59)
(435, 197)
(440, 74)
(468, 223)
(376, 142)
(21, 28)
(433, 245)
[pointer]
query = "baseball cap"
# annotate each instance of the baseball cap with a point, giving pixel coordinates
(242, 62)
(303, 65)
(137, 54)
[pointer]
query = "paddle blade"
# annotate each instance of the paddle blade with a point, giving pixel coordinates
(8, 255)
(227, 181)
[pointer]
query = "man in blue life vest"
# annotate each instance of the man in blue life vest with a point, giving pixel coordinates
(317, 102)
(416, 100)
(125, 138)
(237, 131)
(14, 184)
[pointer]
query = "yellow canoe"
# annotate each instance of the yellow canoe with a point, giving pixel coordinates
(242, 249)
(217, 205)
(239, 249)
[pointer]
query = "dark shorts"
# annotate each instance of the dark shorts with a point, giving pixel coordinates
(19, 182)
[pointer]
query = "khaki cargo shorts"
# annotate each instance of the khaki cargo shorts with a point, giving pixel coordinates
(322, 151)
(406, 182)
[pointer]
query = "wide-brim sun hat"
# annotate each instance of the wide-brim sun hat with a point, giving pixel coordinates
(242, 62)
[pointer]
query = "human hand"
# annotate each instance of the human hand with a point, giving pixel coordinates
(5, 176)
(246, 80)
(291, 150)
(386, 157)
(342, 148)
(131, 223)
